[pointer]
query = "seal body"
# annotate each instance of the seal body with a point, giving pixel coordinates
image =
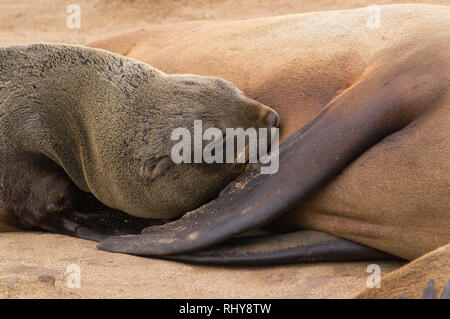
(394, 196)
(427, 277)
(83, 130)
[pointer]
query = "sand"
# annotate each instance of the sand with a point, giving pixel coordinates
(34, 265)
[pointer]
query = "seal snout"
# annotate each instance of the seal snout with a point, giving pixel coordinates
(268, 116)
(262, 115)
(273, 119)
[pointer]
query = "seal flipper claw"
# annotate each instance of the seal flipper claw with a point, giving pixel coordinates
(348, 126)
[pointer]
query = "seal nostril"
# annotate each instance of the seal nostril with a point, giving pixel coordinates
(272, 118)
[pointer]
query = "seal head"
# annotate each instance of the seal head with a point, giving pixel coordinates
(84, 132)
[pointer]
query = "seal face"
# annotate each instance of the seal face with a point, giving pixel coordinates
(83, 130)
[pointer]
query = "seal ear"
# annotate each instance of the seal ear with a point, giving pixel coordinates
(155, 167)
(163, 165)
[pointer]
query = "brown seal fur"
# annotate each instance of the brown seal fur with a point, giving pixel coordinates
(411, 280)
(83, 130)
(395, 196)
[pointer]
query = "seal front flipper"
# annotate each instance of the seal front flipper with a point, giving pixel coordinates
(54, 203)
(85, 217)
(384, 101)
(295, 247)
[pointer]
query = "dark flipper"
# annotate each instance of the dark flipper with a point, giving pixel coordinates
(295, 247)
(380, 104)
(85, 217)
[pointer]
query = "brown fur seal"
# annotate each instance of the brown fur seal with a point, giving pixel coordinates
(373, 108)
(85, 136)
(426, 277)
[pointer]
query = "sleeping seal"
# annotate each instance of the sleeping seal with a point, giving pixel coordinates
(85, 140)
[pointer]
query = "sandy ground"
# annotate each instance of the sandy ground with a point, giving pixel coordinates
(33, 265)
